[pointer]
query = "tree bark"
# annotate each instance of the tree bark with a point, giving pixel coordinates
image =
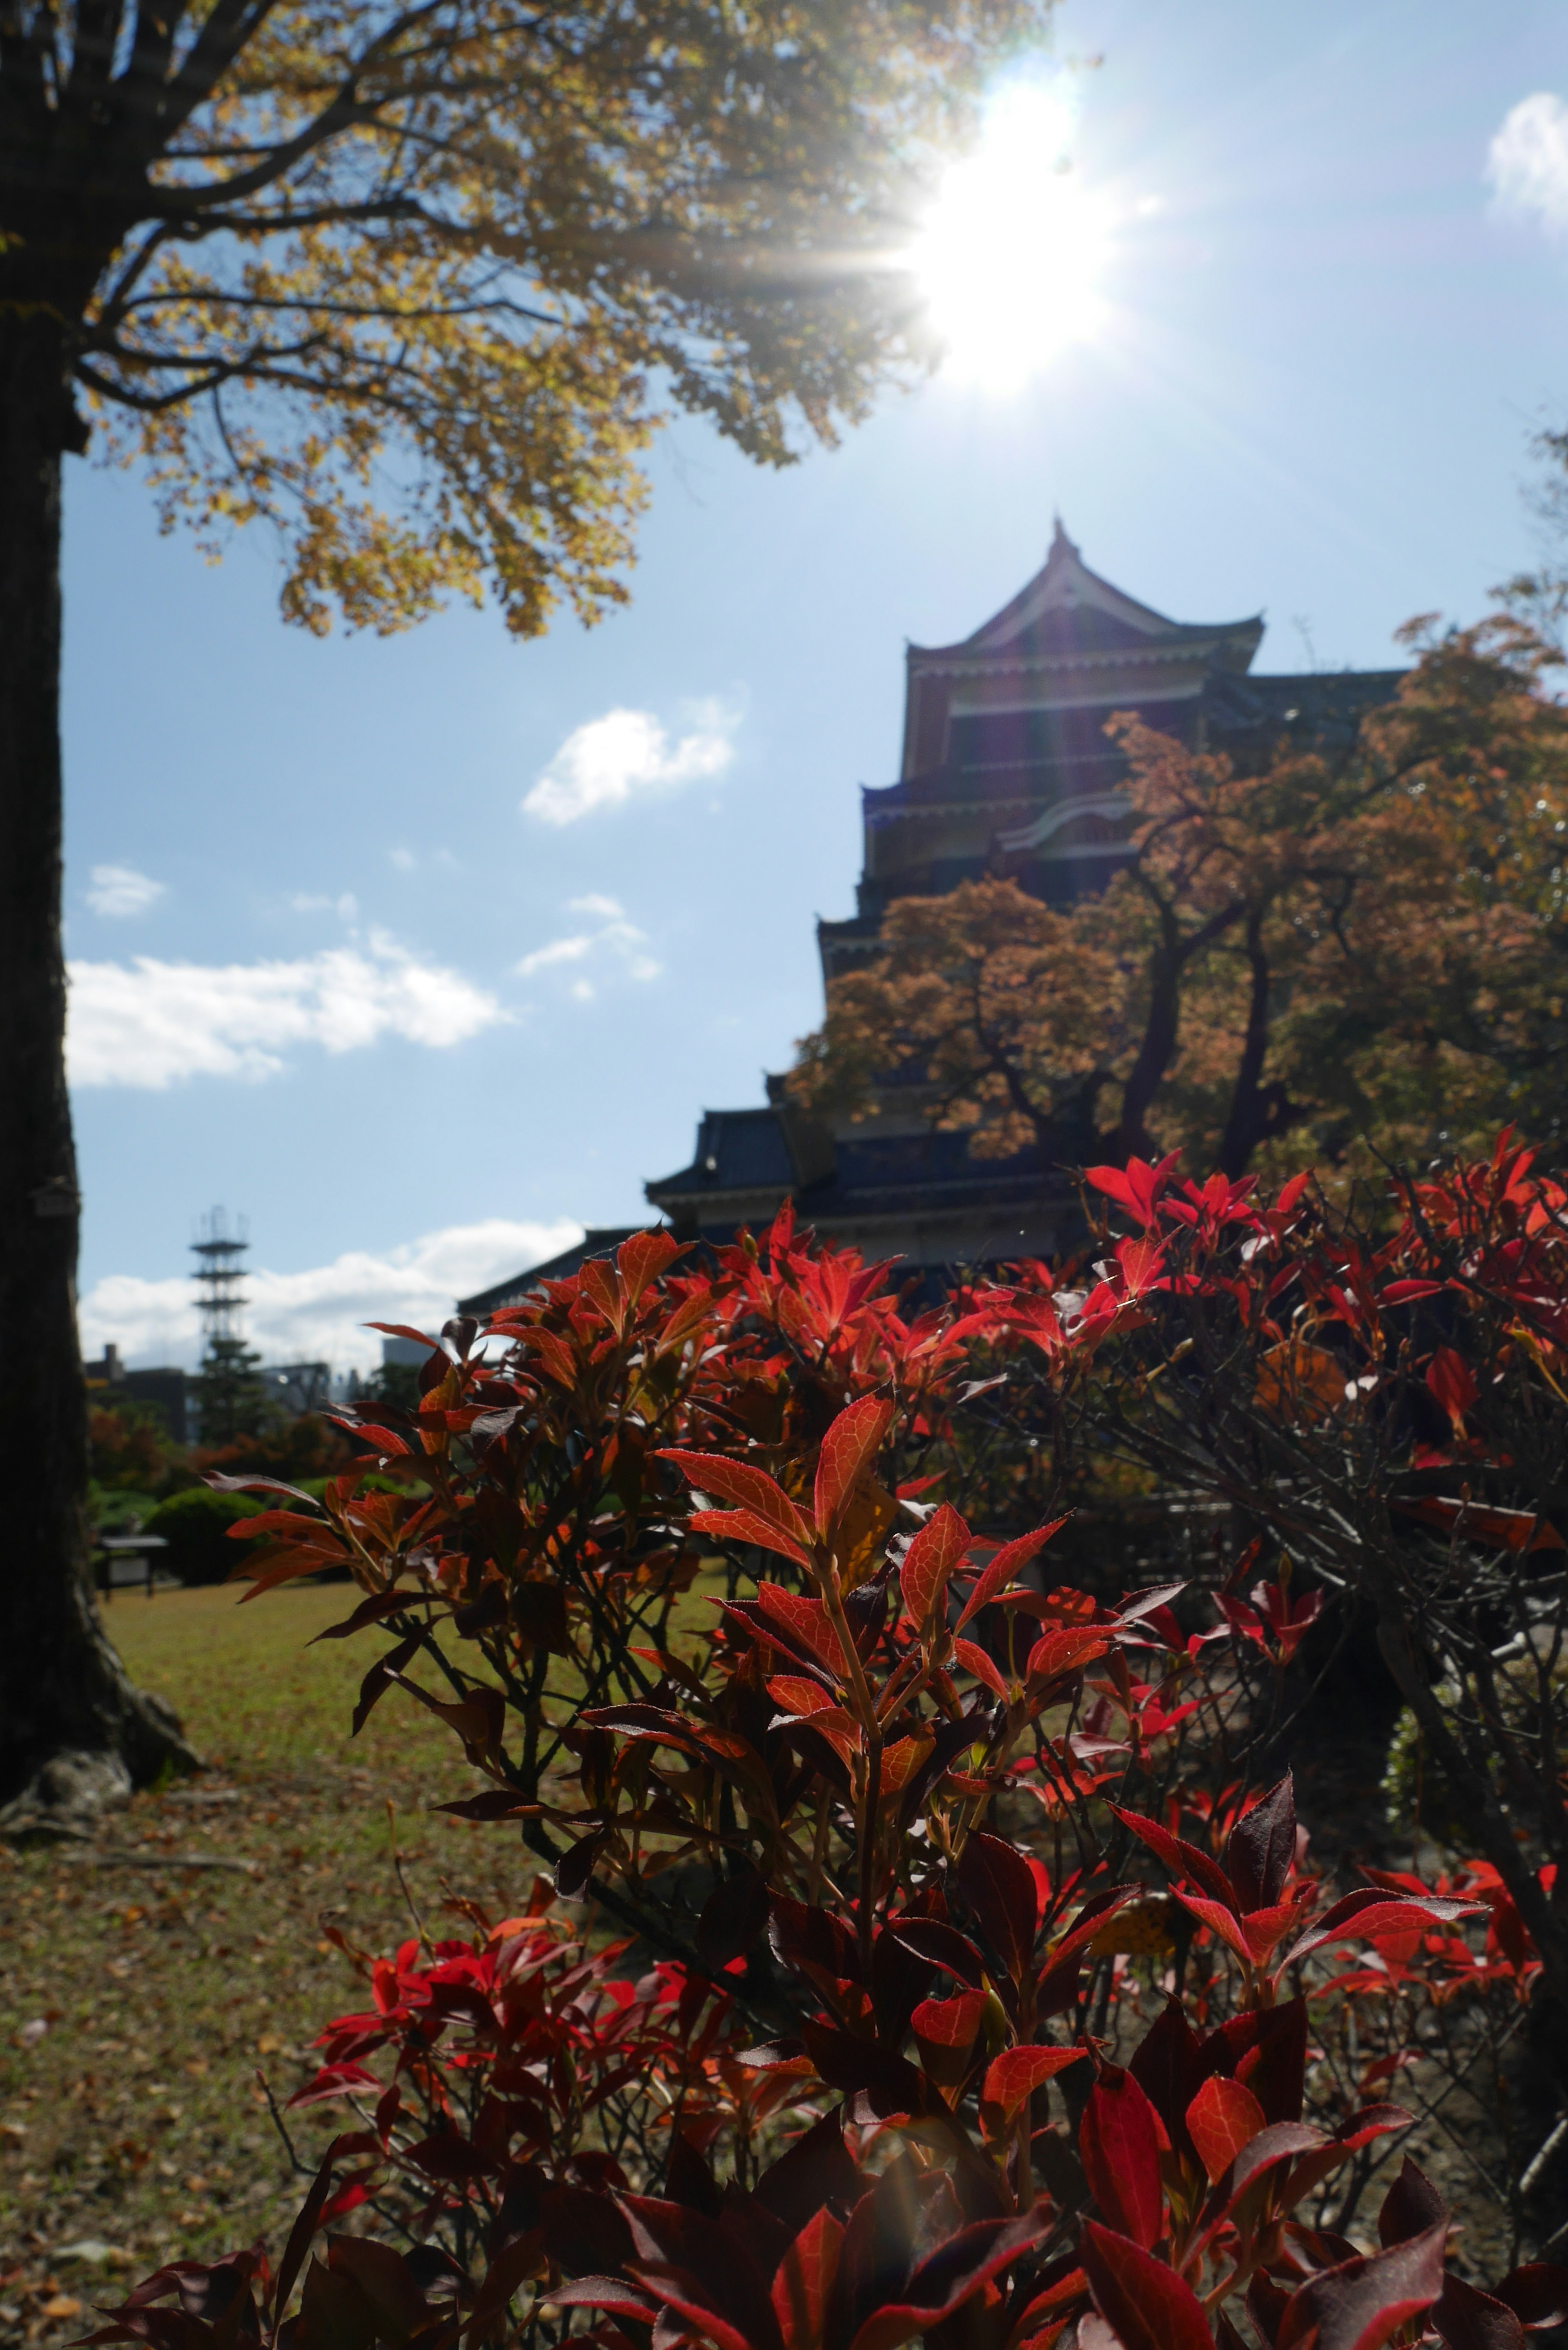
(74, 1732)
(1155, 1051)
(1257, 1111)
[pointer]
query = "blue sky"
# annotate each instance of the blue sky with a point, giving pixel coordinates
(334, 974)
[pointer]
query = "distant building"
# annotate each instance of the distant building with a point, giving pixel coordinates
(167, 1389)
(1006, 770)
(406, 1351)
(297, 1388)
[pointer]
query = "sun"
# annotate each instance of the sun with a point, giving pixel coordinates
(1010, 256)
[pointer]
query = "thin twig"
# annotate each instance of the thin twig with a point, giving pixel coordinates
(303, 2169)
(1543, 2156)
(403, 1881)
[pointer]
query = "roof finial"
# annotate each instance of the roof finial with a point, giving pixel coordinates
(1060, 542)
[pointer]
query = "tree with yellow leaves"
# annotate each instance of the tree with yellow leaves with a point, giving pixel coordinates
(415, 281)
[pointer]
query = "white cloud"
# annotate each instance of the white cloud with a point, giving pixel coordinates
(346, 907)
(151, 1023)
(570, 950)
(1527, 162)
(403, 858)
(318, 1316)
(615, 937)
(601, 764)
(120, 890)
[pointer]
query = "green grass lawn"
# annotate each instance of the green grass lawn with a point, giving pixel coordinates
(132, 2123)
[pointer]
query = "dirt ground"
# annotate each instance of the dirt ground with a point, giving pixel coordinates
(140, 1997)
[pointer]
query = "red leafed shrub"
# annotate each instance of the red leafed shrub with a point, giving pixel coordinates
(972, 1985)
(521, 2065)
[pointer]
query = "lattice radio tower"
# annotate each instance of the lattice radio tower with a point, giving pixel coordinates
(220, 1269)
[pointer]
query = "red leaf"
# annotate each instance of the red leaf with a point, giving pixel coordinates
(974, 1660)
(553, 1353)
(1138, 1188)
(643, 1259)
(1147, 2305)
(807, 1620)
(949, 2023)
(931, 1558)
(792, 1693)
(1181, 1858)
(1017, 2073)
(1278, 2143)
(602, 2292)
(1064, 1650)
(1412, 2206)
(804, 2279)
(850, 1443)
(1449, 1380)
(999, 1885)
(1469, 2319)
(694, 2266)
(951, 2276)
(1261, 1848)
(1000, 1570)
(1360, 2304)
(1220, 1920)
(1360, 1916)
(745, 1526)
(1221, 2119)
(1537, 2293)
(1293, 1191)
(1118, 2144)
(737, 1480)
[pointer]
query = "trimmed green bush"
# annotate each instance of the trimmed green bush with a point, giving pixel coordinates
(196, 1525)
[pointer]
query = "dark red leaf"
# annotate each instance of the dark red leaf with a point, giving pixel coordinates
(999, 1885)
(1360, 1916)
(804, 2281)
(1181, 1858)
(1118, 2145)
(1360, 2304)
(1467, 2319)
(1261, 1848)
(1412, 2206)
(1537, 2293)
(1147, 2305)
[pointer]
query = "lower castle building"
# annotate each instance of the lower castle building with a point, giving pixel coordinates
(1007, 770)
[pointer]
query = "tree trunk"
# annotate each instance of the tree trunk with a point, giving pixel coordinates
(1247, 1124)
(1257, 1111)
(1155, 1051)
(73, 1731)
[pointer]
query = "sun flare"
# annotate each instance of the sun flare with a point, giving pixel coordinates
(1010, 256)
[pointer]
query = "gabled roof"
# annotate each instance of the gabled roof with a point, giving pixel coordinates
(1066, 608)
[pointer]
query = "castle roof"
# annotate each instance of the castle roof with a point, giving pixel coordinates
(1068, 638)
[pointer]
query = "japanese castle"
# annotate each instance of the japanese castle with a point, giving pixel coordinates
(1006, 770)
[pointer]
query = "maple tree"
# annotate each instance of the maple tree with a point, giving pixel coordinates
(1299, 959)
(415, 284)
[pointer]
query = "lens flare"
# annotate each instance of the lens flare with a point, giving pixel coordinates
(1010, 257)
